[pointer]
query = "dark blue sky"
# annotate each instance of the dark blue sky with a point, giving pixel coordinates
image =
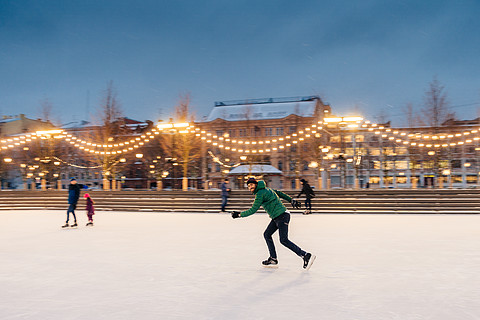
(371, 57)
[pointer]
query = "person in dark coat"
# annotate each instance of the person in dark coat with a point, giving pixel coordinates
(309, 194)
(73, 196)
(225, 193)
(90, 209)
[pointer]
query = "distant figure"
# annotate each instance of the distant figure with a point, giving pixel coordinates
(309, 194)
(73, 196)
(269, 199)
(90, 209)
(225, 194)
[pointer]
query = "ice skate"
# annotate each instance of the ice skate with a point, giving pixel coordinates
(65, 225)
(270, 263)
(74, 225)
(89, 224)
(308, 260)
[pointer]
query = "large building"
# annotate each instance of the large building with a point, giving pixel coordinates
(305, 140)
(247, 125)
(280, 140)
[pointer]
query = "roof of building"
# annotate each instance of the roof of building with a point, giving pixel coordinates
(79, 124)
(255, 169)
(76, 124)
(263, 109)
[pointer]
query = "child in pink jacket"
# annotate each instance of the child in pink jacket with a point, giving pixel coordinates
(90, 209)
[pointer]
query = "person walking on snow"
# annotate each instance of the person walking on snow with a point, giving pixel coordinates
(225, 193)
(309, 194)
(73, 196)
(270, 200)
(90, 209)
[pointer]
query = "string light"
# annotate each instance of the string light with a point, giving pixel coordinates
(260, 146)
(217, 160)
(76, 166)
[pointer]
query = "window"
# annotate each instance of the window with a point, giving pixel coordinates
(242, 133)
(456, 164)
(305, 165)
(219, 133)
(293, 165)
(231, 133)
(280, 165)
(268, 132)
(471, 179)
(292, 129)
(279, 131)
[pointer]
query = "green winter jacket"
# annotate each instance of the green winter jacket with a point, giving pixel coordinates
(269, 199)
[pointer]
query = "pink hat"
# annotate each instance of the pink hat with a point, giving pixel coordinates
(86, 195)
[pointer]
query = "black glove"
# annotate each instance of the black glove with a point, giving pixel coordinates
(295, 204)
(235, 214)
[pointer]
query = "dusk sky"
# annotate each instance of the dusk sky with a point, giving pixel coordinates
(370, 57)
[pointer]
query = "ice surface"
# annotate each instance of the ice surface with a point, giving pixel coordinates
(207, 266)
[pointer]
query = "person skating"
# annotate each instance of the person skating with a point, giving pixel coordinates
(270, 200)
(90, 209)
(309, 194)
(73, 196)
(225, 194)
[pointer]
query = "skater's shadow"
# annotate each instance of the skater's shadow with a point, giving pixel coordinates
(259, 289)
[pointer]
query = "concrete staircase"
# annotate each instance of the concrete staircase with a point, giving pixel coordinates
(365, 201)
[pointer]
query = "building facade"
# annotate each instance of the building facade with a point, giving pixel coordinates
(334, 152)
(259, 128)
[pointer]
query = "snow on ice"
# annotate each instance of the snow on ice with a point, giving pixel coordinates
(208, 266)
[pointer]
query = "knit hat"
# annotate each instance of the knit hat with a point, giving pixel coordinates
(72, 179)
(86, 195)
(252, 180)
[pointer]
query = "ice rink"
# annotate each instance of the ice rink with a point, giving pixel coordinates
(207, 266)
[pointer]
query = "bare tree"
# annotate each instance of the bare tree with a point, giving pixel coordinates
(410, 115)
(110, 115)
(45, 110)
(181, 148)
(436, 107)
(382, 116)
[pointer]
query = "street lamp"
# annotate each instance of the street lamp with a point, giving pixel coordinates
(314, 165)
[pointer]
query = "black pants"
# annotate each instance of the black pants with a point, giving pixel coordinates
(308, 203)
(280, 223)
(71, 209)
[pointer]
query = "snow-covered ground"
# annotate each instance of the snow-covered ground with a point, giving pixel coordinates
(207, 266)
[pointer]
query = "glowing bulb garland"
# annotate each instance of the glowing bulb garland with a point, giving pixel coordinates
(248, 146)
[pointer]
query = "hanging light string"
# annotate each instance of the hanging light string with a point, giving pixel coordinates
(399, 136)
(127, 146)
(423, 140)
(258, 146)
(75, 165)
(95, 148)
(247, 146)
(217, 160)
(14, 142)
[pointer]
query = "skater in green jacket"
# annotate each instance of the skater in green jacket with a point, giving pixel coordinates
(269, 199)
